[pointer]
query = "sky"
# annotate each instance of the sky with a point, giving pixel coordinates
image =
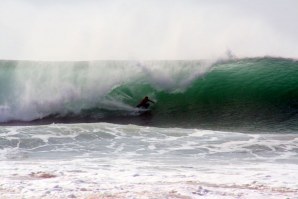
(147, 29)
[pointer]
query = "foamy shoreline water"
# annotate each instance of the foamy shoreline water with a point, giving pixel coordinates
(103, 160)
(72, 179)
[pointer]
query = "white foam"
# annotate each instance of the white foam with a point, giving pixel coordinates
(129, 161)
(129, 178)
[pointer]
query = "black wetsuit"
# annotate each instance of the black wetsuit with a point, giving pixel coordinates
(144, 103)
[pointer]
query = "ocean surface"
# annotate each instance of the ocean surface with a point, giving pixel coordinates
(218, 129)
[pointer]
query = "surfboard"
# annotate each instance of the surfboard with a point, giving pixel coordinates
(142, 111)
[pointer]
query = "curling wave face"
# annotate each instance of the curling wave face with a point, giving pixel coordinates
(255, 93)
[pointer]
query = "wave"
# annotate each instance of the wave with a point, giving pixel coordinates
(251, 93)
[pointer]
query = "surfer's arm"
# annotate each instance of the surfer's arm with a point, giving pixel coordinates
(151, 101)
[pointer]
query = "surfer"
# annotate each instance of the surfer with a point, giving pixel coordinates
(145, 103)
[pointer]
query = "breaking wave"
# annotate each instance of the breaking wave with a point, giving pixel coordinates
(250, 93)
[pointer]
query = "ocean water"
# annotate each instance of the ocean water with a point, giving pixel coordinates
(224, 129)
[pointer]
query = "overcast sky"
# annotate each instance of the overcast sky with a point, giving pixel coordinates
(147, 29)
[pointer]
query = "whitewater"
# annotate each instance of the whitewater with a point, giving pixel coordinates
(219, 129)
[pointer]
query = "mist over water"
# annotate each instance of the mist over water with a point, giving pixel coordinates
(33, 90)
(138, 30)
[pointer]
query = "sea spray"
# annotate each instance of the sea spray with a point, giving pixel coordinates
(32, 90)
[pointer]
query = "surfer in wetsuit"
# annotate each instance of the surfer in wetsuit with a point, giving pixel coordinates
(145, 103)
